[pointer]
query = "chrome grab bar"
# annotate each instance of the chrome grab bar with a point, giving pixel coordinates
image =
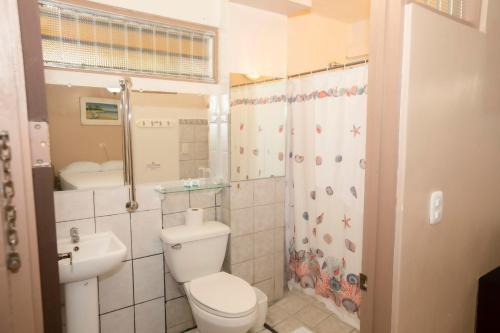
(128, 160)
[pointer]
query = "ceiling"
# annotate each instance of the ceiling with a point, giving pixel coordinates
(342, 10)
(284, 7)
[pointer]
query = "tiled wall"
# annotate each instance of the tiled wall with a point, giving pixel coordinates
(193, 147)
(256, 215)
(140, 296)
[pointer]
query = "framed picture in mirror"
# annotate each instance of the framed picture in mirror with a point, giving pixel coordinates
(100, 111)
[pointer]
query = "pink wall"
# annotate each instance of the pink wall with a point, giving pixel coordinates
(449, 141)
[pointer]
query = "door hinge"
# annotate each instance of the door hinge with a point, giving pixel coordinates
(40, 147)
(363, 280)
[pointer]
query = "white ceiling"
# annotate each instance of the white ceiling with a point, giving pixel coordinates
(343, 10)
(284, 7)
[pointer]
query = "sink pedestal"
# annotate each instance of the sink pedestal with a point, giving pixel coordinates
(82, 308)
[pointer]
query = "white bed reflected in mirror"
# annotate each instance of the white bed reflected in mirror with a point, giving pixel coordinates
(170, 137)
(258, 117)
(86, 137)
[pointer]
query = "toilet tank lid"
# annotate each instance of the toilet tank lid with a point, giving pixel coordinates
(183, 233)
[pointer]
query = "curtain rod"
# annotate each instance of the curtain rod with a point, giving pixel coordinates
(330, 67)
(257, 82)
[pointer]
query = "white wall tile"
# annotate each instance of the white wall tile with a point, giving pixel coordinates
(223, 198)
(264, 243)
(242, 221)
(182, 328)
(73, 205)
(150, 316)
(148, 278)
(209, 214)
(242, 248)
(186, 151)
(186, 133)
(146, 229)
(85, 227)
(244, 270)
(120, 226)
(226, 216)
(267, 286)
(172, 220)
(241, 194)
(279, 215)
(279, 275)
(263, 217)
(202, 199)
(264, 191)
(279, 240)
(115, 288)
(118, 321)
(280, 190)
(201, 133)
(109, 201)
(201, 151)
(177, 312)
(263, 268)
(172, 288)
(147, 197)
(175, 202)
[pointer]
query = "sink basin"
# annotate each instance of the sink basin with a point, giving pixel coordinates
(93, 255)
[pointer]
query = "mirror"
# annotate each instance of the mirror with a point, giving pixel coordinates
(258, 117)
(170, 133)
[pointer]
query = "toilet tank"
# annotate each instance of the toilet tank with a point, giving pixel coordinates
(195, 251)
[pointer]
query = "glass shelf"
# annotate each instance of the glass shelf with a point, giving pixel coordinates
(175, 189)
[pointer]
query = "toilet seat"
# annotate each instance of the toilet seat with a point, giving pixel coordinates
(223, 295)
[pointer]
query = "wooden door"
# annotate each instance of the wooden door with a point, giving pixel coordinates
(20, 297)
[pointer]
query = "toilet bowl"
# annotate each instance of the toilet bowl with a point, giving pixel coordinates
(222, 303)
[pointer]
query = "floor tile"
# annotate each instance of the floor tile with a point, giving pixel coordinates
(276, 315)
(292, 304)
(311, 316)
(289, 325)
(332, 325)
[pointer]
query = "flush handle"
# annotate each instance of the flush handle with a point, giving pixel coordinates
(177, 246)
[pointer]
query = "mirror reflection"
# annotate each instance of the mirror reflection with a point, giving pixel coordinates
(258, 114)
(170, 136)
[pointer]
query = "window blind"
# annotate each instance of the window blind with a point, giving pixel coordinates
(453, 8)
(81, 38)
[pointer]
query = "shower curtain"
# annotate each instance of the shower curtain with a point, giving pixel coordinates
(258, 115)
(326, 150)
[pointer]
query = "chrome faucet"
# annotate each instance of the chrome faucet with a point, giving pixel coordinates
(74, 234)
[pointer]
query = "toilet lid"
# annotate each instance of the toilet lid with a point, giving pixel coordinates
(224, 293)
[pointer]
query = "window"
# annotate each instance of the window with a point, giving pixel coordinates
(454, 8)
(87, 39)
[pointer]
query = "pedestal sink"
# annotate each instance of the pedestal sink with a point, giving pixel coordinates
(93, 255)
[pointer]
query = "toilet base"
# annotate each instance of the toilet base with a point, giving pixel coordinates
(209, 323)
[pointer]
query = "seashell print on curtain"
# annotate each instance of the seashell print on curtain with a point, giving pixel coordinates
(326, 169)
(258, 115)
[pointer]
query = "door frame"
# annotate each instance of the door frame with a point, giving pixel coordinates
(20, 292)
(384, 82)
(43, 180)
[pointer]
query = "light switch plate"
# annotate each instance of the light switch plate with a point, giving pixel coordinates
(436, 207)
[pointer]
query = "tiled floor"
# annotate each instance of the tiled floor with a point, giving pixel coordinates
(299, 313)
(296, 310)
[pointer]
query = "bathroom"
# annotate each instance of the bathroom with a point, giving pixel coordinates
(222, 167)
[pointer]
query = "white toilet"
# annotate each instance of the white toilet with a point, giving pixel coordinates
(220, 302)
